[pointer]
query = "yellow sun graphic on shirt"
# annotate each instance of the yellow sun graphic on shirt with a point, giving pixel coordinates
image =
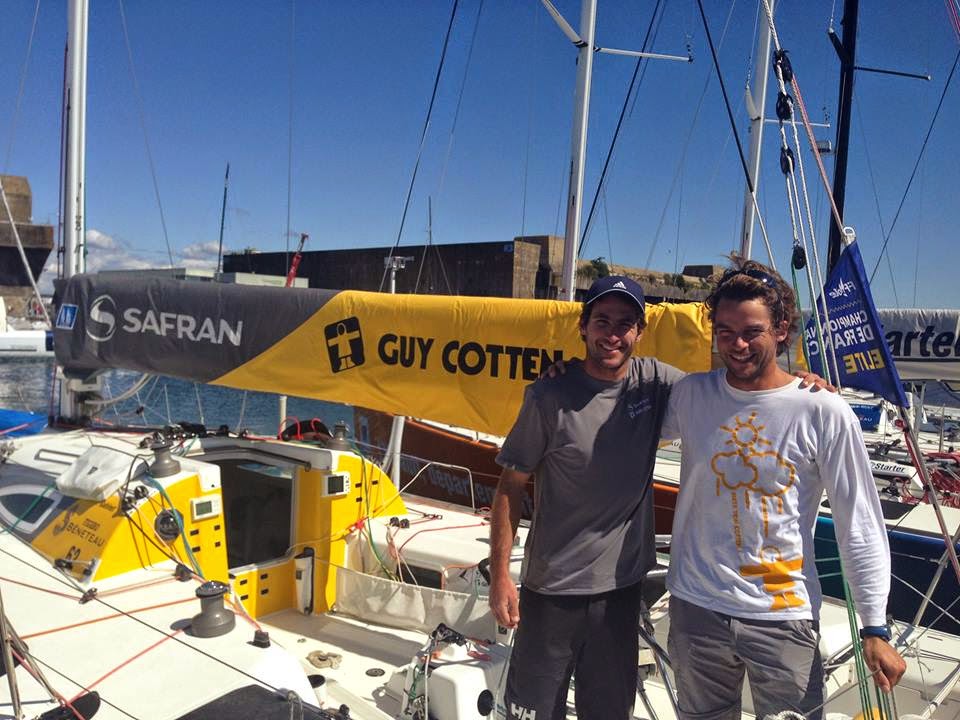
(764, 476)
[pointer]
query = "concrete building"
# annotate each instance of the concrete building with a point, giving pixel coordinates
(37, 243)
(525, 267)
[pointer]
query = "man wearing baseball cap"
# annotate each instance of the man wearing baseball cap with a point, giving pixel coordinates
(591, 435)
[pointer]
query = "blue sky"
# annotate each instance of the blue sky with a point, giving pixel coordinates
(215, 81)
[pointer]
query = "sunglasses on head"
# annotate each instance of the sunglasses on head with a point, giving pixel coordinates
(758, 275)
(763, 278)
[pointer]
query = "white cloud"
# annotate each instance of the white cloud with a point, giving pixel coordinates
(201, 255)
(106, 252)
(199, 251)
(97, 239)
(49, 274)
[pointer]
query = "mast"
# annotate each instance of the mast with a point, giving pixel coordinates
(584, 43)
(76, 102)
(74, 195)
(761, 74)
(578, 148)
(847, 53)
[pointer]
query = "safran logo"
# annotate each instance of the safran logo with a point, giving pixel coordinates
(345, 344)
(103, 319)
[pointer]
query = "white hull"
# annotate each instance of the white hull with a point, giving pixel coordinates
(27, 344)
(131, 643)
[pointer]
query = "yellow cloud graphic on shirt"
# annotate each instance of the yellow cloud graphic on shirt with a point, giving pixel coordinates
(764, 476)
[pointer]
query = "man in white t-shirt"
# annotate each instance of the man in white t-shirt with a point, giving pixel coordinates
(757, 457)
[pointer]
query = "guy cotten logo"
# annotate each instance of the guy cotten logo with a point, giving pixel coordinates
(344, 344)
(103, 319)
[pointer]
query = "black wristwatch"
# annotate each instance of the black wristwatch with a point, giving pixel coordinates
(880, 631)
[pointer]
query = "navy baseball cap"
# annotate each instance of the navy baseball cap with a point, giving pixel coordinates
(616, 284)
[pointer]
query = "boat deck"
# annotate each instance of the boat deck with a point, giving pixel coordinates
(146, 663)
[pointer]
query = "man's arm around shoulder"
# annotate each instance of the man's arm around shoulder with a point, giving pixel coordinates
(504, 519)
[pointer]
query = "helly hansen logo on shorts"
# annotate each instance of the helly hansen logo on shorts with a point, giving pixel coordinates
(345, 344)
(521, 713)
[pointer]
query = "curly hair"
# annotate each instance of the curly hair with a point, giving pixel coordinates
(750, 280)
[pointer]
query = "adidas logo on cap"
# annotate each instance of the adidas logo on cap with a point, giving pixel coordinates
(617, 284)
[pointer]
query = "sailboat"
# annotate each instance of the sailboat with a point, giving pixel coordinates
(262, 576)
(177, 574)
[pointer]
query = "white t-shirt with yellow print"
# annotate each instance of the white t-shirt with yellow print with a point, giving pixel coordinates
(754, 468)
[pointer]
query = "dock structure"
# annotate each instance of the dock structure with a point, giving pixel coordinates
(37, 242)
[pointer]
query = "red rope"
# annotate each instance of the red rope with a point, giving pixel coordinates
(136, 586)
(816, 154)
(449, 527)
(36, 587)
(106, 617)
(25, 662)
(242, 611)
(21, 426)
(954, 16)
(127, 662)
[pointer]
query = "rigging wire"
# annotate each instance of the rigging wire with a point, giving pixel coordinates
(423, 137)
(676, 247)
(686, 146)
(61, 173)
(736, 135)
(526, 159)
(426, 250)
(563, 184)
(754, 42)
(876, 196)
(143, 127)
(916, 252)
(23, 80)
(463, 85)
(923, 176)
(290, 68)
(785, 112)
(923, 147)
(634, 85)
(606, 224)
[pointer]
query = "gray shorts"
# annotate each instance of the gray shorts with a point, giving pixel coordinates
(710, 652)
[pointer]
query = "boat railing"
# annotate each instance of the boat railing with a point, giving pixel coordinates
(425, 465)
(448, 466)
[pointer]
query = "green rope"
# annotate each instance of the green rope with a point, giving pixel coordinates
(29, 509)
(366, 502)
(862, 675)
(796, 292)
(176, 516)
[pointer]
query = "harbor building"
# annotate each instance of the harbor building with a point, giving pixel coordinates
(37, 241)
(525, 267)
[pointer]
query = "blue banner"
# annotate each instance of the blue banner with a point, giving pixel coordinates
(855, 335)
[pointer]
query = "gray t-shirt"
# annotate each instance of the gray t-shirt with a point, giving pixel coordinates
(592, 446)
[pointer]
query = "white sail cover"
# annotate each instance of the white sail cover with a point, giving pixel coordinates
(925, 343)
